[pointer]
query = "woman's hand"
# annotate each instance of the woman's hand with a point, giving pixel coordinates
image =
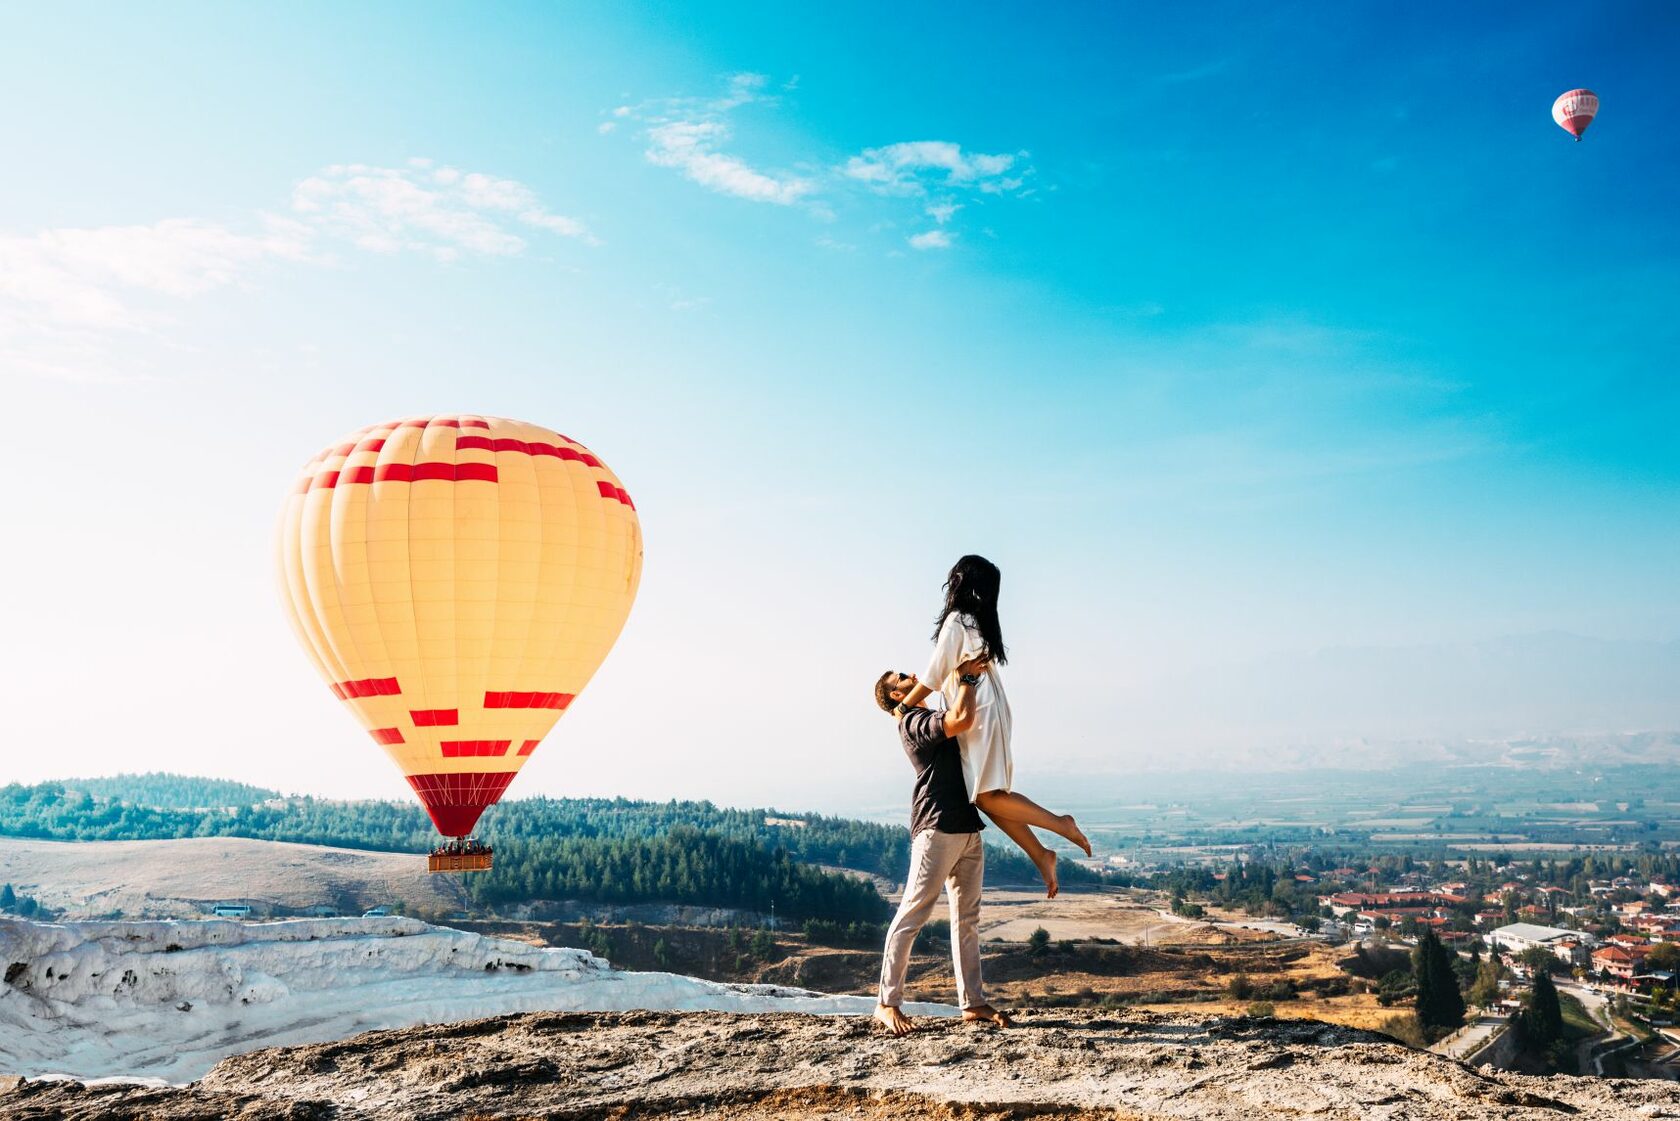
(975, 666)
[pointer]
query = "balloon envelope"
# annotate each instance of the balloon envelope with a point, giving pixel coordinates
(1574, 111)
(457, 580)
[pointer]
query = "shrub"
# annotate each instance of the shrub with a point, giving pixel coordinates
(1406, 1028)
(1262, 1010)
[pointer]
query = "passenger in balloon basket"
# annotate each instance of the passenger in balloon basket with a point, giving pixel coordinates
(945, 851)
(967, 631)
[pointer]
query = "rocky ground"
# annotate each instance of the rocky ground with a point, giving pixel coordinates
(1056, 1064)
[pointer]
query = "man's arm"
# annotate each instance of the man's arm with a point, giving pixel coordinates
(959, 717)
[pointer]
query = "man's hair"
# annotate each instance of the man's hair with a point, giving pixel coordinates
(883, 691)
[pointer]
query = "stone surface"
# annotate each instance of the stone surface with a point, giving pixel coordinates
(1056, 1064)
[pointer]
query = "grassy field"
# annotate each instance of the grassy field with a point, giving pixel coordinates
(1577, 1023)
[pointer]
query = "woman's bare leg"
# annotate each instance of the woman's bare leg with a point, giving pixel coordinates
(1008, 805)
(1043, 859)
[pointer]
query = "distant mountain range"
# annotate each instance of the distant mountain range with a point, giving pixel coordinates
(1542, 699)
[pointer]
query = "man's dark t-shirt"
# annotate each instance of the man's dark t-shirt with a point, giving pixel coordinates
(940, 800)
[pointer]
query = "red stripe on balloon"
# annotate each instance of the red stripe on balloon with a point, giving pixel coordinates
(528, 447)
(366, 687)
(528, 747)
(461, 749)
(527, 700)
(387, 735)
(435, 717)
(433, 472)
(608, 490)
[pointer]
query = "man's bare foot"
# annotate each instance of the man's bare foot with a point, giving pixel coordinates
(1045, 861)
(894, 1021)
(986, 1014)
(1070, 829)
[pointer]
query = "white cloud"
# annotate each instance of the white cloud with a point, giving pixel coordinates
(932, 239)
(690, 146)
(908, 167)
(691, 135)
(943, 211)
(75, 277)
(441, 212)
(65, 292)
(687, 134)
(743, 89)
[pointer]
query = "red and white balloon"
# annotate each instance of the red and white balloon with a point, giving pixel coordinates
(1575, 110)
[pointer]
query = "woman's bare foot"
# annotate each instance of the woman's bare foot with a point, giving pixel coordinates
(1045, 860)
(1070, 829)
(894, 1021)
(986, 1014)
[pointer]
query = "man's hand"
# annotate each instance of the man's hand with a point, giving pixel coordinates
(975, 666)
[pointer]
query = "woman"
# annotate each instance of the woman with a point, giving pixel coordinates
(968, 628)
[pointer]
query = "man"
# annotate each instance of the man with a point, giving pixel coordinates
(945, 847)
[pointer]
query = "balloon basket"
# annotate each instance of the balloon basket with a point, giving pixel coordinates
(479, 861)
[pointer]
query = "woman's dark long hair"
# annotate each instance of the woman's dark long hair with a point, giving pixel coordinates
(972, 589)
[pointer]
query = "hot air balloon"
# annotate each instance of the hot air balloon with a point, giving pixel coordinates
(1574, 111)
(457, 580)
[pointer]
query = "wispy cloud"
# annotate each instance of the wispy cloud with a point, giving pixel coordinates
(441, 211)
(943, 211)
(691, 147)
(688, 134)
(910, 166)
(692, 135)
(66, 293)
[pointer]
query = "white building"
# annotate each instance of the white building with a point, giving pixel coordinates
(1565, 945)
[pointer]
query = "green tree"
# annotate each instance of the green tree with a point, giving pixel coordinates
(1539, 959)
(1484, 991)
(1439, 1003)
(8, 898)
(1541, 1020)
(1664, 955)
(1038, 941)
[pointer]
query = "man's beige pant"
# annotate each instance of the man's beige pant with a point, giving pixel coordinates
(957, 862)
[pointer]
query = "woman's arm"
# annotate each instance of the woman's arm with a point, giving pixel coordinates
(917, 693)
(959, 718)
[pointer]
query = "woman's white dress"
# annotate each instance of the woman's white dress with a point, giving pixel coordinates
(987, 764)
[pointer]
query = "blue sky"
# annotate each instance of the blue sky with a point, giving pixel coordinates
(1229, 332)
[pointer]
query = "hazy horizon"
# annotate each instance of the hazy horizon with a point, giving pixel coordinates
(1308, 384)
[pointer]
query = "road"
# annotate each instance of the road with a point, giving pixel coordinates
(1470, 1039)
(1598, 1007)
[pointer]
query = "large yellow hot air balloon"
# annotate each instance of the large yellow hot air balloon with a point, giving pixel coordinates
(457, 580)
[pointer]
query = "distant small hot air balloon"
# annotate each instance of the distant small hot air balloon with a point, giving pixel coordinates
(1574, 111)
(457, 580)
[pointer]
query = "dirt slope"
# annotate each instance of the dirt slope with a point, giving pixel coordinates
(183, 878)
(667, 1065)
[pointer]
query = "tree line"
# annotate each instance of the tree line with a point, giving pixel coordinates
(607, 850)
(68, 811)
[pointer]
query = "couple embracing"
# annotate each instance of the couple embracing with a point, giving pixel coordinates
(961, 753)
